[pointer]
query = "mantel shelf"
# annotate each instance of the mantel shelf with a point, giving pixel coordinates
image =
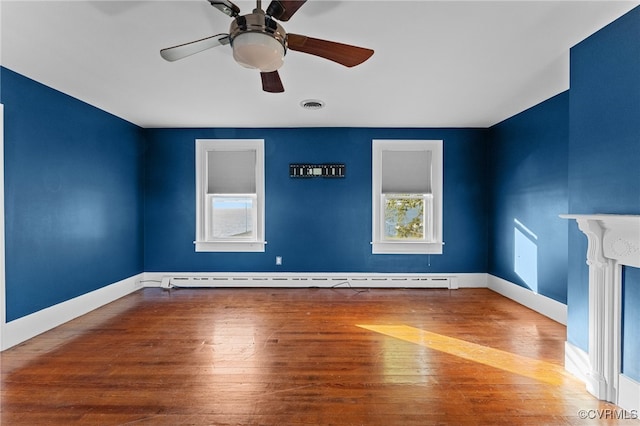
(601, 216)
(611, 236)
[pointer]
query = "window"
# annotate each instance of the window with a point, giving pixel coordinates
(407, 196)
(406, 217)
(229, 195)
(232, 217)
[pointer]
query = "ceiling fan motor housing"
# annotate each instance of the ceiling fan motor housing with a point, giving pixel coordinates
(258, 41)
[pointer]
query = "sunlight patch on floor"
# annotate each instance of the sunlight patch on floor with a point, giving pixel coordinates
(528, 367)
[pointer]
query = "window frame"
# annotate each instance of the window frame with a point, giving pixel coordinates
(379, 244)
(203, 243)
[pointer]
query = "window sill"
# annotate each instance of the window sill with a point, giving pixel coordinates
(230, 246)
(414, 247)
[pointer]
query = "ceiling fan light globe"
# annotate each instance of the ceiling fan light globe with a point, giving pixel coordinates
(258, 51)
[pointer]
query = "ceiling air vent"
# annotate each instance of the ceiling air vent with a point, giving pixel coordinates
(312, 104)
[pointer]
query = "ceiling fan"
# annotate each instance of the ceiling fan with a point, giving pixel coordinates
(260, 42)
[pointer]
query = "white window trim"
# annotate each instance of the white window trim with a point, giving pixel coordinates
(378, 244)
(202, 147)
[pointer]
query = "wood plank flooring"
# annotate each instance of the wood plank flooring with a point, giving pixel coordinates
(299, 357)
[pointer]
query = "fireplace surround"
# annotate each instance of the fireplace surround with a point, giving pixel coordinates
(613, 242)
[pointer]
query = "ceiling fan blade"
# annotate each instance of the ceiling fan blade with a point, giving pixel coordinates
(271, 82)
(283, 10)
(187, 49)
(226, 7)
(344, 54)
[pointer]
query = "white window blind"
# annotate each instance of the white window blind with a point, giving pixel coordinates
(407, 172)
(231, 172)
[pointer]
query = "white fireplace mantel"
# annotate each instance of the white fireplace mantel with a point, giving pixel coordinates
(613, 242)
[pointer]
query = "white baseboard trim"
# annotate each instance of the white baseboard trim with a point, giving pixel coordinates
(629, 394)
(576, 361)
(320, 279)
(22, 329)
(472, 280)
(544, 305)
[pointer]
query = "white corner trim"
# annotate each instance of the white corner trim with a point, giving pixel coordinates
(542, 304)
(628, 394)
(22, 329)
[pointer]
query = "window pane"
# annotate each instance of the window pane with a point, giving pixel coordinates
(232, 218)
(404, 217)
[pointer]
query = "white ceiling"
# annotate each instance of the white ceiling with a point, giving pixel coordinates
(436, 63)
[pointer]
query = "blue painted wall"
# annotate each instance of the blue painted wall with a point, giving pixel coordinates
(604, 153)
(316, 225)
(73, 196)
(75, 188)
(527, 161)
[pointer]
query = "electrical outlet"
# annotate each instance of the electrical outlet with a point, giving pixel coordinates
(278, 260)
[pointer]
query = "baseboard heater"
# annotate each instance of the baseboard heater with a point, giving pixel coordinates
(324, 281)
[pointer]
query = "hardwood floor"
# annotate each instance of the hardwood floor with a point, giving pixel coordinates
(299, 356)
